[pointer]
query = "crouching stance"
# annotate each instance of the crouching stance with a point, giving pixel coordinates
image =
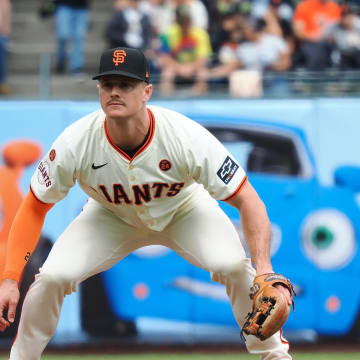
(153, 177)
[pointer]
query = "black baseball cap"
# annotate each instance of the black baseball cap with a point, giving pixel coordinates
(124, 61)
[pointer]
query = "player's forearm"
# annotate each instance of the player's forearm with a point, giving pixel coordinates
(256, 226)
(24, 235)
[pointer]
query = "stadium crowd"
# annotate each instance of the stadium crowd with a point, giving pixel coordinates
(209, 42)
(202, 41)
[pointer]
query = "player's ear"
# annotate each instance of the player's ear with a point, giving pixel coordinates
(148, 91)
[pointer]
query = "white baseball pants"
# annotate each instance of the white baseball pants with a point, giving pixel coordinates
(97, 239)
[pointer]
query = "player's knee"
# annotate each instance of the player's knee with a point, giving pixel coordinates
(234, 271)
(61, 282)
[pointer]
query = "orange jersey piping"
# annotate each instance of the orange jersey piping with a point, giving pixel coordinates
(147, 143)
(238, 189)
(284, 341)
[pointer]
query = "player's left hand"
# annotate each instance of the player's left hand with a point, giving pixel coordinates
(283, 289)
(272, 299)
(9, 298)
(286, 293)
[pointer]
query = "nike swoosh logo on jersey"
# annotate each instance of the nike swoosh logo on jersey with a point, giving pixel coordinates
(95, 167)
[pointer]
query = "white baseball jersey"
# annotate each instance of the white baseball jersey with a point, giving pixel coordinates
(170, 176)
(177, 162)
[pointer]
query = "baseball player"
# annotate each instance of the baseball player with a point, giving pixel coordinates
(153, 177)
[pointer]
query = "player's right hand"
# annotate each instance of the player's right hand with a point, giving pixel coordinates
(9, 298)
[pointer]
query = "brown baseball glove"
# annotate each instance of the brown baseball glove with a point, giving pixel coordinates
(270, 307)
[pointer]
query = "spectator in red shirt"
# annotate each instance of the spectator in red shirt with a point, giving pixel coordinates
(313, 20)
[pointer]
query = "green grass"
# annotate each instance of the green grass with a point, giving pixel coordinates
(296, 356)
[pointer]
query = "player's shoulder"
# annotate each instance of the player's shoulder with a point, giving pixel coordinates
(165, 117)
(85, 126)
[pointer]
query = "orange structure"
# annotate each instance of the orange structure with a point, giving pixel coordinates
(17, 155)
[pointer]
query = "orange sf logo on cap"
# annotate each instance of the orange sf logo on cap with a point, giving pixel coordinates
(119, 57)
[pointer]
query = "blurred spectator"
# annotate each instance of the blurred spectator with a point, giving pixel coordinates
(313, 20)
(129, 26)
(71, 24)
(166, 11)
(278, 15)
(225, 17)
(283, 10)
(158, 9)
(186, 51)
(231, 35)
(347, 38)
(5, 26)
(47, 9)
(197, 10)
(261, 51)
(155, 10)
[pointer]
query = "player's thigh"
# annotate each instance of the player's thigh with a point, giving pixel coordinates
(205, 236)
(92, 243)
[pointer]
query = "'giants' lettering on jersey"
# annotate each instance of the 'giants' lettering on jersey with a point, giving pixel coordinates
(141, 193)
(227, 170)
(44, 173)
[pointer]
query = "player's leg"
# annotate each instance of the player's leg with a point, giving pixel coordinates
(205, 236)
(92, 243)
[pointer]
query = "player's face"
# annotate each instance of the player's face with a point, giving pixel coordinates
(123, 97)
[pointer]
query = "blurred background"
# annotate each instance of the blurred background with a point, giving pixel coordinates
(277, 81)
(277, 47)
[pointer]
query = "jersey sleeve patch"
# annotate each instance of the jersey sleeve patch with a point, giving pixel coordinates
(227, 170)
(44, 174)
